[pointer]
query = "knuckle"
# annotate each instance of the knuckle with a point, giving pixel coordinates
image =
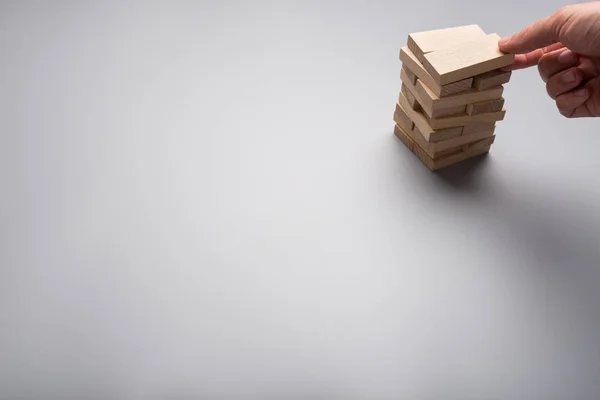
(561, 17)
(563, 11)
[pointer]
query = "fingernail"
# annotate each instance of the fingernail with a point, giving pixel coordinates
(569, 77)
(583, 92)
(566, 57)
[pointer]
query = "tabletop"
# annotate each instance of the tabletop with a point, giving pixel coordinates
(207, 200)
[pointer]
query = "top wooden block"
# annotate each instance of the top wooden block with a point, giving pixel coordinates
(421, 43)
(470, 58)
(412, 64)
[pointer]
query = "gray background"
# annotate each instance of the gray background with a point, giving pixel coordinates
(206, 200)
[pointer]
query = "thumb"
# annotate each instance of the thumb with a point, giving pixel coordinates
(540, 34)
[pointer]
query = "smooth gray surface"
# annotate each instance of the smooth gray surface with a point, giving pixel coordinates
(206, 200)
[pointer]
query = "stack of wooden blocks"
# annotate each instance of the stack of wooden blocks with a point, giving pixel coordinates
(451, 95)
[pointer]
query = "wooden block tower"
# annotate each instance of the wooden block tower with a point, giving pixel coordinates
(451, 94)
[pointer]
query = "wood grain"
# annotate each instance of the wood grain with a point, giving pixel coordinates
(466, 59)
(446, 112)
(421, 43)
(402, 119)
(430, 102)
(419, 119)
(414, 104)
(477, 127)
(411, 75)
(465, 119)
(434, 148)
(438, 113)
(491, 79)
(485, 106)
(469, 151)
(412, 64)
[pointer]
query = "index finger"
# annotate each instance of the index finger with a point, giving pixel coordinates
(532, 58)
(540, 34)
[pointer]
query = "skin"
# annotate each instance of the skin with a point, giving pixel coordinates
(565, 46)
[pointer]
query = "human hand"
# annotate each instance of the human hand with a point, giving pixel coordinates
(566, 48)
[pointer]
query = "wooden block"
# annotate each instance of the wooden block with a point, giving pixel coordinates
(460, 157)
(414, 104)
(480, 144)
(446, 153)
(411, 63)
(421, 43)
(478, 127)
(430, 102)
(491, 79)
(399, 132)
(465, 119)
(447, 160)
(445, 112)
(419, 119)
(485, 106)
(403, 120)
(411, 75)
(438, 112)
(440, 148)
(415, 136)
(466, 59)
(454, 87)
(435, 148)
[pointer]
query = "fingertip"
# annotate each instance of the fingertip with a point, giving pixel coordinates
(504, 44)
(521, 61)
